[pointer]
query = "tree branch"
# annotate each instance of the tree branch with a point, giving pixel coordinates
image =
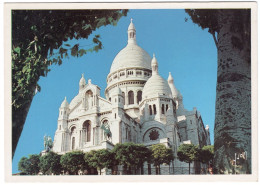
(215, 40)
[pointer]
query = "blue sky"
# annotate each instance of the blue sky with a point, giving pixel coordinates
(182, 48)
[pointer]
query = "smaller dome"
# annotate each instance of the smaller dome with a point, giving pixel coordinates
(64, 104)
(82, 80)
(155, 86)
(174, 90)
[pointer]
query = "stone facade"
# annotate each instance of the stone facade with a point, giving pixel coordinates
(140, 107)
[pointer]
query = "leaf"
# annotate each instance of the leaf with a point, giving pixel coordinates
(17, 50)
(82, 52)
(74, 50)
(87, 26)
(101, 22)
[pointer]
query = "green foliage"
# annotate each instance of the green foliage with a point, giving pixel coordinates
(205, 18)
(50, 163)
(72, 162)
(161, 154)
(29, 166)
(36, 34)
(131, 154)
(99, 159)
(23, 165)
(206, 154)
(188, 153)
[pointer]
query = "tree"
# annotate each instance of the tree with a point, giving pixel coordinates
(188, 153)
(29, 166)
(50, 164)
(23, 165)
(206, 154)
(99, 159)
(130, 155)
(36, 35)
(73, 162)
(144, 154)
(160, 155)
(231, 30)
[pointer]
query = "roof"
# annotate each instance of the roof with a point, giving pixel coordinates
(155, 86)
(131, 56)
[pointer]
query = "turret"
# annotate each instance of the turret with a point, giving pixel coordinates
(154, 64)
(61, 138)
(117, 98)
(82, 83)
(64, 110)
(175, 92)
(131, 33)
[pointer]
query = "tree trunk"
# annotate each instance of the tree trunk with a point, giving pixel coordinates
(232, 132)
(189, 168)
(142, 169)
(149, 169)
(18, 119)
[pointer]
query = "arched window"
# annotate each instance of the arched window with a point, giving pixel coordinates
(154, 109)
(162, 108)
(130, 97)
(150, 110)
(73, 143)
(89, 99)
(167, 107)
(139, 96)
(86, 131)
(123, 94)
(73, 129)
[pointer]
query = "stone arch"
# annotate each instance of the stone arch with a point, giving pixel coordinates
(153, 133)
(163, 110)
(72, 129)
(130, 97)
(105, 127)
(150, 110)
(139, 96)
(154, 109)
(89, 98)
(123, 94)
(73, 143)
(86, 127)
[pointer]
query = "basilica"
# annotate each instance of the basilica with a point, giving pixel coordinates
(139, 106)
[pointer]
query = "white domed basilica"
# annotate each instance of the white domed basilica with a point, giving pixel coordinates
(140, 106)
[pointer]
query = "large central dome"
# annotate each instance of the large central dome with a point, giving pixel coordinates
(131, 56)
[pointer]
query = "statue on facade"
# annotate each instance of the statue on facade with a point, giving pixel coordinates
(47, 143)
(107, 132)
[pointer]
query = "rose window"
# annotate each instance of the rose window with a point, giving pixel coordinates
(154, 135)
